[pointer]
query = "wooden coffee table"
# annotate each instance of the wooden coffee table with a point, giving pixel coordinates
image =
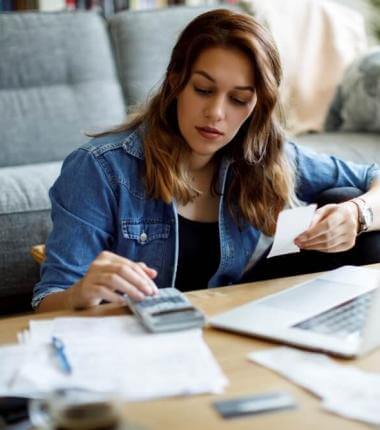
(230, 350)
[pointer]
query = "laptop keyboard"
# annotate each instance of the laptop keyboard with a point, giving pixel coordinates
(343, 320)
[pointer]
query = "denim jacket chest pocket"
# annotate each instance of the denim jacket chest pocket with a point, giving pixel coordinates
(146, 240)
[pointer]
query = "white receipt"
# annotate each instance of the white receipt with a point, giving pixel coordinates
(345, 390)
(290, 224)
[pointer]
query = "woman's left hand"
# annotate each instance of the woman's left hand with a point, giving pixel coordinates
(333, 229)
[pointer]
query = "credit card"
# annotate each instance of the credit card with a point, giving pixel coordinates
(254, 404)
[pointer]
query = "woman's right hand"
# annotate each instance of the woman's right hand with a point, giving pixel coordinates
(108, 276)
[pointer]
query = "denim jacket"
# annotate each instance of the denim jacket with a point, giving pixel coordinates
(99, 203)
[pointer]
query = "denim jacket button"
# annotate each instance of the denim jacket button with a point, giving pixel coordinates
(143, 237)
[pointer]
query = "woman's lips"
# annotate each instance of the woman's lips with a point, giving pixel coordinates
(209, 133)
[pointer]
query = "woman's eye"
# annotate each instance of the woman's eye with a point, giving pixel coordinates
(202, 91)
(239, 102)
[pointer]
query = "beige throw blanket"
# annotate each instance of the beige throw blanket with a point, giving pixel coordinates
(317, 40)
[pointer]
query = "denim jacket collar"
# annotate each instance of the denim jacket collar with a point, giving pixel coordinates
(133, 144)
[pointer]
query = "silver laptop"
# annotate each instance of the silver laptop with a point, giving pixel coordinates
(337, 312)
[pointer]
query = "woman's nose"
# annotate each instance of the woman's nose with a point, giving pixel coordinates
(215, 109)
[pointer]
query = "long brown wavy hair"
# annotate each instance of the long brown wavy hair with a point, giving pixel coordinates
(262, 179)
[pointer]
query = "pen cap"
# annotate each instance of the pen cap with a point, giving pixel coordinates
(75, 409)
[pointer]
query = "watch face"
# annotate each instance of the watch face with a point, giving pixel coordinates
(365, 214)
(368, 216)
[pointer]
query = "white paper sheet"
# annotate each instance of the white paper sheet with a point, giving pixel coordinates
(290, 224)
(345, 390)
(111, 354)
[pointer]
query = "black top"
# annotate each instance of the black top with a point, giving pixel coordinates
(199, 253)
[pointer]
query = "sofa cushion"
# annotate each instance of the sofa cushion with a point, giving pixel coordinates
(143, 41)
(25, 221)
(357, 147)
(25, 188)
(57, 80)
(356, 106)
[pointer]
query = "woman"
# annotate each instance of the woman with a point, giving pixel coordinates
(181, 194)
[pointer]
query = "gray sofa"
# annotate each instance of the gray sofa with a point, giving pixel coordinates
(62, 74)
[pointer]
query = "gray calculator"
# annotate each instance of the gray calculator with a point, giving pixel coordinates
(170, 310)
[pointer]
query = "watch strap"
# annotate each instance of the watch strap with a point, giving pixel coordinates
(365, 214)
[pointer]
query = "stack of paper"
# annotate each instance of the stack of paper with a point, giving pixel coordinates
(110, 354)
(345, 390)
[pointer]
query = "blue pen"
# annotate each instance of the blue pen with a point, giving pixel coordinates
(59, 349)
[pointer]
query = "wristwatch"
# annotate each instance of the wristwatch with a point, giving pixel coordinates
(365, 214)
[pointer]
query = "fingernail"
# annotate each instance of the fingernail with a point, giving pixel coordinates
(140, 296)
(149, 288)
(152, 285)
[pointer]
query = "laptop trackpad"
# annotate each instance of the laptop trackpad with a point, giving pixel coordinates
(313, 297)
